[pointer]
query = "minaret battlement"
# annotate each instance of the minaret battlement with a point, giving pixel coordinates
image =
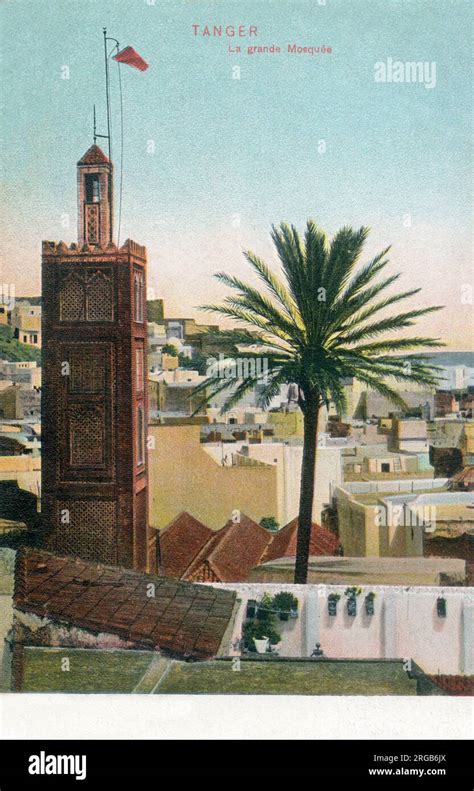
(62, 248)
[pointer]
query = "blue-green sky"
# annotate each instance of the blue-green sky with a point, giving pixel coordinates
(397, 155)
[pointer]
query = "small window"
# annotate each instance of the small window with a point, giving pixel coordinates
(138, 294)
(140, 436)
(385, 466)
(92, 188)
(139, 369)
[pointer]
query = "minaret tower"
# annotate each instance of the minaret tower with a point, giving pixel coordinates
(94, 398)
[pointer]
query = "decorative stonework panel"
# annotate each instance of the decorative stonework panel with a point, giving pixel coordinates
(72, 297)
(92, 223)
(88, 369)
(99, 297)
(86, 295)
(87, 529)
(86, 436)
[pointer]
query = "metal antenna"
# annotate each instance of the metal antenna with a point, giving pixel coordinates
(107, 92)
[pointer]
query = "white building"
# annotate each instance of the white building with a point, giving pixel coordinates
(25, 371)
(456, 377)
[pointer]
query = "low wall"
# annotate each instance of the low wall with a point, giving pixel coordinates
(405, 624)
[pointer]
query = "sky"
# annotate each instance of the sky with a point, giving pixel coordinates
(210, 162)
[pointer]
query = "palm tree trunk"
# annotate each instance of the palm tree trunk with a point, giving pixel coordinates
(311, 418)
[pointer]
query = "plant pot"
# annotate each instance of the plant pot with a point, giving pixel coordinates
(441, 607)
(294, 614)
(251, 609)
(261, 646)
(369, 606)
(332, 607)
(352, 607)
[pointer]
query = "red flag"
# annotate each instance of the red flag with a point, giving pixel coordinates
(131, 58)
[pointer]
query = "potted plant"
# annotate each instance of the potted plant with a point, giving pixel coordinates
(265, 607)
(369, 603)
(351, 594)
(333, 599)
(286, 604)
(254, 637)
(441, 607)
(274, 637)
(258, 636)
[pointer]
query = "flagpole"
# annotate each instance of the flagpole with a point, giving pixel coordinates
(107, 93)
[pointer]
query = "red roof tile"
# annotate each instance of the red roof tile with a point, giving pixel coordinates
(180, 542)
(322, 542)
(230, 554)
(94, 156)
(455, 685)
(181, 620)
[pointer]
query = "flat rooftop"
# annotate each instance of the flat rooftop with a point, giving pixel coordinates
(372, 498)
(118, 671)
(367, 571)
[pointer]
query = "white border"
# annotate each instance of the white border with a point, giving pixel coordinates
(45, 716)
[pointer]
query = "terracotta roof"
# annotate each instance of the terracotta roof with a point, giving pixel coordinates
(465, 476)
(190, 551)
(181, 541)
(231, 552)
(94, 156)
(322, 542)
(454, 685)
(181, 620)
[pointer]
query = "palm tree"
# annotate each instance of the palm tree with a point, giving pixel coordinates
(314, 326)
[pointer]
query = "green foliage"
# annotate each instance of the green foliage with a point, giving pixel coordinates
(259, 630)
(352, 592)
(269, 523)
(14, 351)
(285, 601)
(334, 597)
(265, 608)
(319, 321)
(170, 349)
(155, 310)
(264, 626)
(198, 362)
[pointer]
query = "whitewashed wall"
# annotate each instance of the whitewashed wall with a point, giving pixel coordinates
(405, 624)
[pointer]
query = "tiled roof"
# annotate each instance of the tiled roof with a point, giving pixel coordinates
(455, 685)
(191, 551)
(181, 620)
(465, 476)
(94, 156)
(231, 552)
(323, 542)
(184, 537)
